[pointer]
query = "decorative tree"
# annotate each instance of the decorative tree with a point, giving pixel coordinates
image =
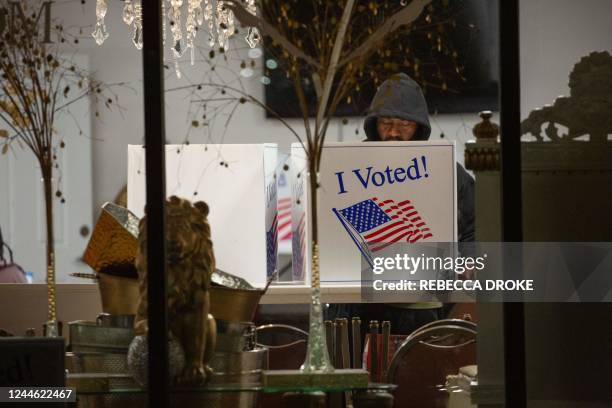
(339, 47)
(38, 85)
(335, 45)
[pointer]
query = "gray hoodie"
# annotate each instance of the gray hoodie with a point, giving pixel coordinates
(401, 97)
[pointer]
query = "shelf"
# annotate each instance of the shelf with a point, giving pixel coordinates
(290, 293)
(240, 388)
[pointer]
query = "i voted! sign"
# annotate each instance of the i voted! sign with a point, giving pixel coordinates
(377, 178)
(373, 195)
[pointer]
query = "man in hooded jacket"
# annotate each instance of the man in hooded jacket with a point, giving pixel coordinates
(399, 112)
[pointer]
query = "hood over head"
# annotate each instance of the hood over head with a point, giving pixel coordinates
(399, 97)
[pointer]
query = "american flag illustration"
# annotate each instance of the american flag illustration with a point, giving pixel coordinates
(298, 244)
(271, 246)
(284, 218)
(374, 224)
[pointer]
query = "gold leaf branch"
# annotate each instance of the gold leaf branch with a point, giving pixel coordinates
(405, 16)
(250, 20)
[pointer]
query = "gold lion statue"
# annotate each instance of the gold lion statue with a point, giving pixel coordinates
(191, 263)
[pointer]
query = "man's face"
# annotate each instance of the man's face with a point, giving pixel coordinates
(396, 129)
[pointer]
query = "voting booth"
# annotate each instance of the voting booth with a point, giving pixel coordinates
(371, 195)
(238, 182)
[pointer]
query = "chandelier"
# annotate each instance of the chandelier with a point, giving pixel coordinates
(221, 24)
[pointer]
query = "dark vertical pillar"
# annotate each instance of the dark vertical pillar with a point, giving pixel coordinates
(156, 195)
(512, 220)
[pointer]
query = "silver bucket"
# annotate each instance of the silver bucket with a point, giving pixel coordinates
(112, 363)
(236, 363)
(90, 337)
(235, 337)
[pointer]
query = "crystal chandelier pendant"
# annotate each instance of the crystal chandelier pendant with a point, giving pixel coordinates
(137, 37)
(128, 12)
(225, 24)
(178, 49)
(220, 19)
(253, 37)
(208, 10)
(231, 27)
(199, 15)
(211, 35)
(177, 68)
(100, 34)
(175, 27)
(194, 19)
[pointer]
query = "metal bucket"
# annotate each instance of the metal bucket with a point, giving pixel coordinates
(90, 337)
(113, 320)
(119, 295)
(235, 337)
(236, 305)
(239, 368)
(111, 363)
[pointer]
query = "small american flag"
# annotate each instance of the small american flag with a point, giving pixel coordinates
(298, 245)
(284, 218)
(271, 247)
(374, 224)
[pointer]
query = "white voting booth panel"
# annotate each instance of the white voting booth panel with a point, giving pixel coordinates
(238, 182)
(372, 194)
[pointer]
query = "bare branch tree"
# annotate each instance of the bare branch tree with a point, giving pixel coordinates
(39, 84)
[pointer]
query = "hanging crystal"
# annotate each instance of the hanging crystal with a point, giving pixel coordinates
(253, 37)
(100, 34)
(190, 29)
(251, 7)
(128, 12)
(220, 19)
(199, 14)
(231, 26)
(175, 27)
(191, 25)
(209, 16)
(225, 23)
(177, 68)
(137, 37)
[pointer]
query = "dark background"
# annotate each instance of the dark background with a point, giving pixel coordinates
(474, 37)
